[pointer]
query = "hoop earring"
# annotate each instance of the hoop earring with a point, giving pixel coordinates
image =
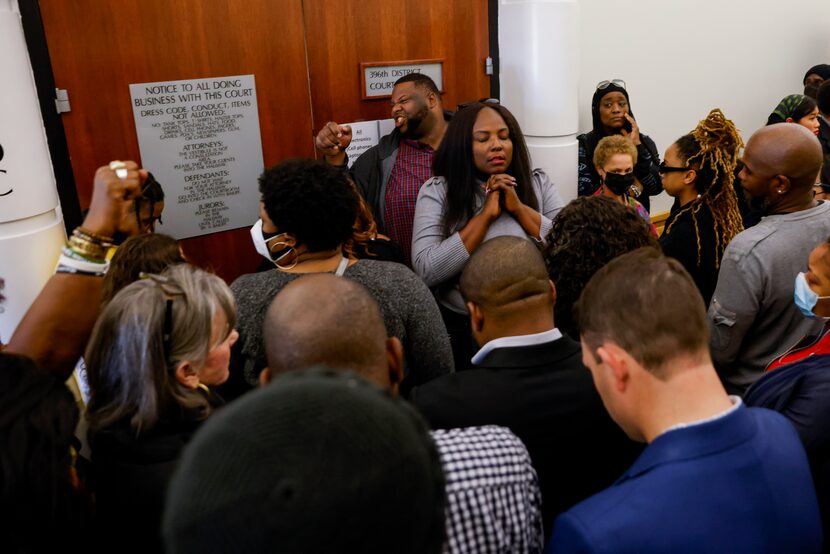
(290, 250)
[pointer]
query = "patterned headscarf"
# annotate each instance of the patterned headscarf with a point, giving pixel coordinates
(787, 106)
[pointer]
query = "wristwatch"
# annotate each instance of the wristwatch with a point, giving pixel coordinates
(634, 191)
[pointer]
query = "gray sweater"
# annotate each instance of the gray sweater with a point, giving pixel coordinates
(409, 312)
(752, 316)
(439, 259)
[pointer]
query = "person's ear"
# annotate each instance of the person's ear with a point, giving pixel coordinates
(395, 362)
(264, 377)
(789, 120)
(690, 177)
(781, 184)
(186, 375)
(476, 317)
(552, 292)
(285, 240)
(432, 100)
(601, 173)
(617, 362)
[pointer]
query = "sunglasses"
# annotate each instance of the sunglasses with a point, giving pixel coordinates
(602, 85)
(663, 168)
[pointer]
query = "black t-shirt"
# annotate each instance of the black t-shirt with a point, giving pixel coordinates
(681, 244)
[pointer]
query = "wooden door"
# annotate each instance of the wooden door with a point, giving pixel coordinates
(341, 34)
(99, 47)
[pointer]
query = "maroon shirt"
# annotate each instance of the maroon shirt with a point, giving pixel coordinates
(413, 167)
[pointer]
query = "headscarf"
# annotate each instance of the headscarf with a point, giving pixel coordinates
(599, 130)
(822, 70)
(786, 107)
(321, 461)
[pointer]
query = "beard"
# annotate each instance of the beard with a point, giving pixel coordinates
(414, 121)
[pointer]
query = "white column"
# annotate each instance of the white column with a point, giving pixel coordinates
(31, 224)
(539, 78)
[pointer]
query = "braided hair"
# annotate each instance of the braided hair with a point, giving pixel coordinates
(711, 149)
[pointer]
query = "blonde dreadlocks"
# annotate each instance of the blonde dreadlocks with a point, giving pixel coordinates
(712, 151)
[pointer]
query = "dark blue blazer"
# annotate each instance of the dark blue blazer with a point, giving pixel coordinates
(801, 392)
(740, 483)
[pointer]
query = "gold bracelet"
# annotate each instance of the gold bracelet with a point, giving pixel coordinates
(82, 233)
(86, 248)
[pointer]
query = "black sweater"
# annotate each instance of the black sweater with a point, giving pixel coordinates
(681, 243)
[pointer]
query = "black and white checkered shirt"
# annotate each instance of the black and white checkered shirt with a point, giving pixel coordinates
(493, 498)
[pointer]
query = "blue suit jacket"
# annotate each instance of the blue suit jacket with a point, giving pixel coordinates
(740, 483)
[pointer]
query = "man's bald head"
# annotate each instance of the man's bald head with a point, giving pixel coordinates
(785, 149)
(507, 275)
(325, 320)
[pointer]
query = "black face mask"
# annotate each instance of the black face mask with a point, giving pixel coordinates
(618, 184)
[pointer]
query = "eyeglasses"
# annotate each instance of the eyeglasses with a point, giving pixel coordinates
(663, 168)
(602, 85)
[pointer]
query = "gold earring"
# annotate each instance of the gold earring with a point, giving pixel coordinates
(290, 250)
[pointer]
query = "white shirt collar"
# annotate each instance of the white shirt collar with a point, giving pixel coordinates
(736, 403)
(520, 340)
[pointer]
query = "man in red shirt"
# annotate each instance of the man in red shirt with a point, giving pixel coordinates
(390, 174)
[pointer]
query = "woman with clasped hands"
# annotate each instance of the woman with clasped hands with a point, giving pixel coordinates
(484, 187)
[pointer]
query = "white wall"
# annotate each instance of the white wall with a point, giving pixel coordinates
(680, 59)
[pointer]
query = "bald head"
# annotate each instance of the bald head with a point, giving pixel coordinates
(505, 275)
(325, 320)
(785, 149)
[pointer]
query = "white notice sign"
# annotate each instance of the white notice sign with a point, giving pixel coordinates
(365, 135)
(200, 139)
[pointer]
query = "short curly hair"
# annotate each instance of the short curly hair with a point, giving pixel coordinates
(312, 201)
(587, 234)
(614, 144)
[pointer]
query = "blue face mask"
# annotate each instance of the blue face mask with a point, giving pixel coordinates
(806, 299)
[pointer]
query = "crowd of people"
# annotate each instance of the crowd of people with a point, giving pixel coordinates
(441, 355)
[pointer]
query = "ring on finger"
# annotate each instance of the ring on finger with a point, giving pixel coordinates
(121, 173)
(117, 164)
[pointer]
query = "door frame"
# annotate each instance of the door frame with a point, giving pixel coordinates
(52, 122)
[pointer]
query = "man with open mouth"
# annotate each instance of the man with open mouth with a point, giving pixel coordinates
(390, 174)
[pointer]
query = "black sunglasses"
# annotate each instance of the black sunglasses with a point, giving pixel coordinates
(663, 168)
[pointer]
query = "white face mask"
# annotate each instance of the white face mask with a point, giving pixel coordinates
(261, 243)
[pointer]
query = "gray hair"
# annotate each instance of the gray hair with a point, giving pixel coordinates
(130, 360)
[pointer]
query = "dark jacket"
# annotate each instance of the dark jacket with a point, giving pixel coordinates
(680, 242)
(131, 473)
(646, 169)
(546, 396)
(801, 392)
(824, 136)
(372, 170)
